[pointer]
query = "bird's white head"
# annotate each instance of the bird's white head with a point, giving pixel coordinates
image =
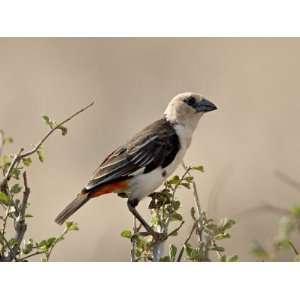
(187, 108)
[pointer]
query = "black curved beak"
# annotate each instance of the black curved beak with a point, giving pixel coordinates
(204, 106)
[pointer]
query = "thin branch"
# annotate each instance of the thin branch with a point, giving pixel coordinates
(5, 219)
(186, 241)
(1, 141)
(293, 247)
(287, 179)
(4, 257)
(197, 202)
(217, 251)
(32, 254)
(20, 224)
(175, 230)
(12, 165)
(133, 242)
(42, 141)
(17, 158)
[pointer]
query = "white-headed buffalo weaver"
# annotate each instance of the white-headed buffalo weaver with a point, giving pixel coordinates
(139, 167)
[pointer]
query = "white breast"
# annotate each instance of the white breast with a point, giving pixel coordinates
(142, 185)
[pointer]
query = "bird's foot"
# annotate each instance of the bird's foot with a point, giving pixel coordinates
(157, 236)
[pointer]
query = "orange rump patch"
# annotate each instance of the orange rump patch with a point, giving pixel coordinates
(109, 188)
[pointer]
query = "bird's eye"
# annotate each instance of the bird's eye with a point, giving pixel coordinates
(190, 101)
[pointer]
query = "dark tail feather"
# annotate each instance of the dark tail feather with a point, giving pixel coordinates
(80, 200)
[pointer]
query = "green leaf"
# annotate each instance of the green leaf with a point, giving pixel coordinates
(193, 212)
(172, 252)
(27, 161)
(71, 226)
(41, 153)
(45, 245)
(28, 216)
(297, 258)
(198, 168)
(226, 223)
(49, 122)
(295, 210)
(126, 234)
(259, 252)
(154, 218)
(46, 119)
(16, 188)
(64, 130)
(5, 161)
(176, 217)
(282, 244)
(4, 198)
(186, 185)
(8, 140)
(223, 258)
(189, 178)
(176, 205)
(222, 236)
(174, 180)
(27, 247)
(16, 173)
(218, 248)
(188, 249)
(233, 258)
(165, 259)
(12, 242)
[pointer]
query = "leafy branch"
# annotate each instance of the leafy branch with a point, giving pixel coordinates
(165, 214)
(14, 209)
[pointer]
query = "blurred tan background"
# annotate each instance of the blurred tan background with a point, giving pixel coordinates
(254, 82)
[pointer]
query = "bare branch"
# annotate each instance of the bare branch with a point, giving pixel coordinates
(287, 179)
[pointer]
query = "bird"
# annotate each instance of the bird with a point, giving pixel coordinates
(137, 168)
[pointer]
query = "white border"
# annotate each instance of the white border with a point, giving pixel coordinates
(149, 281)
(149, 18)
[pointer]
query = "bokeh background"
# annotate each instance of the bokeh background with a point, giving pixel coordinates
(243, 145)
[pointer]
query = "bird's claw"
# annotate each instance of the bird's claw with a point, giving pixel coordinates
(157, 236)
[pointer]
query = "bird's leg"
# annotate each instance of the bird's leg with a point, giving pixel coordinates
(133, 240)
(156, 235)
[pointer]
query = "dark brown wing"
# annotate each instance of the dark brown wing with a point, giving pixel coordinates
(155, 146)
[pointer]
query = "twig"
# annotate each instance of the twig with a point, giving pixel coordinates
(187, 170)
(197, 202)
(42, 141)
(12, 165)
(133, 242)
(4, 257)
(1, 141)
(287, 179)
(293, 247)
(186, 241)
(176, 229)
(32, 254)
(20, 224)
(5, 220)
(218, 252)
(17, 158)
